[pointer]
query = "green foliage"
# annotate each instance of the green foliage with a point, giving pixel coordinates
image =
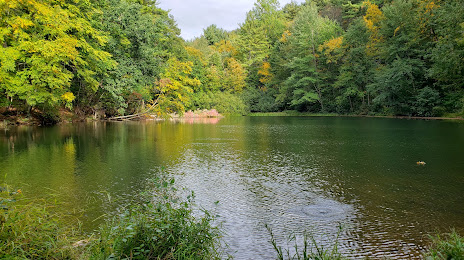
(253, 46)
(395, 85)
(356, 71)
(46, 47)
(448, 52)
(30, 230)
(302, 87)
(272, 19)
(400, 57)
(223, 102)
(172, 91)
(290, 10)
(142, 38)
(427, 101)
(449, 246)
(260, 100)
(214, 35)
(162, 227)
(403, 50)
(390, 60)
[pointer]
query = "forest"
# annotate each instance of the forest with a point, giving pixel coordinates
(120, 57)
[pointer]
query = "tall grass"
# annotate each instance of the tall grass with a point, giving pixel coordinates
(31, 229)
(447, 246)
(161, 227)
(311, 250)
(291, 113)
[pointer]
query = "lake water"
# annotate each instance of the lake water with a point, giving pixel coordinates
(295, 174)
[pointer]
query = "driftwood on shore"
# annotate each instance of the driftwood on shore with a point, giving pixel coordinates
(128, 117)
(134, 116)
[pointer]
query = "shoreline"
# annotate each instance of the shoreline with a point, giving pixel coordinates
(16, 120)
(305, 114)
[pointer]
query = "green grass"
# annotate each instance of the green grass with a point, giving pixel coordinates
(162, 227)
(447, 246)
(31, 229)
(454, 115)
(291, 113)
(159, 226)
(310, 250)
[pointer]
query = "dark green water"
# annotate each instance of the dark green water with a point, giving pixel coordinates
(294, 173)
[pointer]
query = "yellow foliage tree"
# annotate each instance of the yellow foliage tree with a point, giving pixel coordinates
(196, 53)
(44, 45)
(264, 72)
(331, 49)
(426, 12)
(235, 75)
(172, 91)
(225, 47)
(372, 20)
(285, 35)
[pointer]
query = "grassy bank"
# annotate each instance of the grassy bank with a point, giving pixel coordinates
(449, 246)
(158, 226)
(307, 114)
(291, 113)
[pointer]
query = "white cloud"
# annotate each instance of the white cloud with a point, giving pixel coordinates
(193, 16)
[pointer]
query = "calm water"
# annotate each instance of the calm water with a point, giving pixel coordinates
(296, 174)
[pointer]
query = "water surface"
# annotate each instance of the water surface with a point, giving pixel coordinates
(296, 174)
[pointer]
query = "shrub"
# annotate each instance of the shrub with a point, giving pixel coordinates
(159, 228)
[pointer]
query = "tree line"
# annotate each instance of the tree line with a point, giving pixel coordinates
(120, 57)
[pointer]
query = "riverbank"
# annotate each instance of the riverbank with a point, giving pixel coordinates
(9, 117)
(307, 114)
(160, 226)
(37, 118)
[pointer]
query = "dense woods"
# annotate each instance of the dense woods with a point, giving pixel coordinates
(120, 57)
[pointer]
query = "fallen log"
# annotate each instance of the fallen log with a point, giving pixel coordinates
(134, 116)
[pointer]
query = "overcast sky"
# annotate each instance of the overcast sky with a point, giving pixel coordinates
(192, 16)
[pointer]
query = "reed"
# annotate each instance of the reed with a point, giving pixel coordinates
(161, 227)
(32, 229)
(311, 249)
(447, 246)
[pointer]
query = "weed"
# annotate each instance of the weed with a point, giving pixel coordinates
(30, 229)
(448, 246)
(311, 249)
(161, 227)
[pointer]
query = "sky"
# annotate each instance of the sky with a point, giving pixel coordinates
(192, 16)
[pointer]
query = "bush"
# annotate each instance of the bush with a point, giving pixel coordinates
(159, 228)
